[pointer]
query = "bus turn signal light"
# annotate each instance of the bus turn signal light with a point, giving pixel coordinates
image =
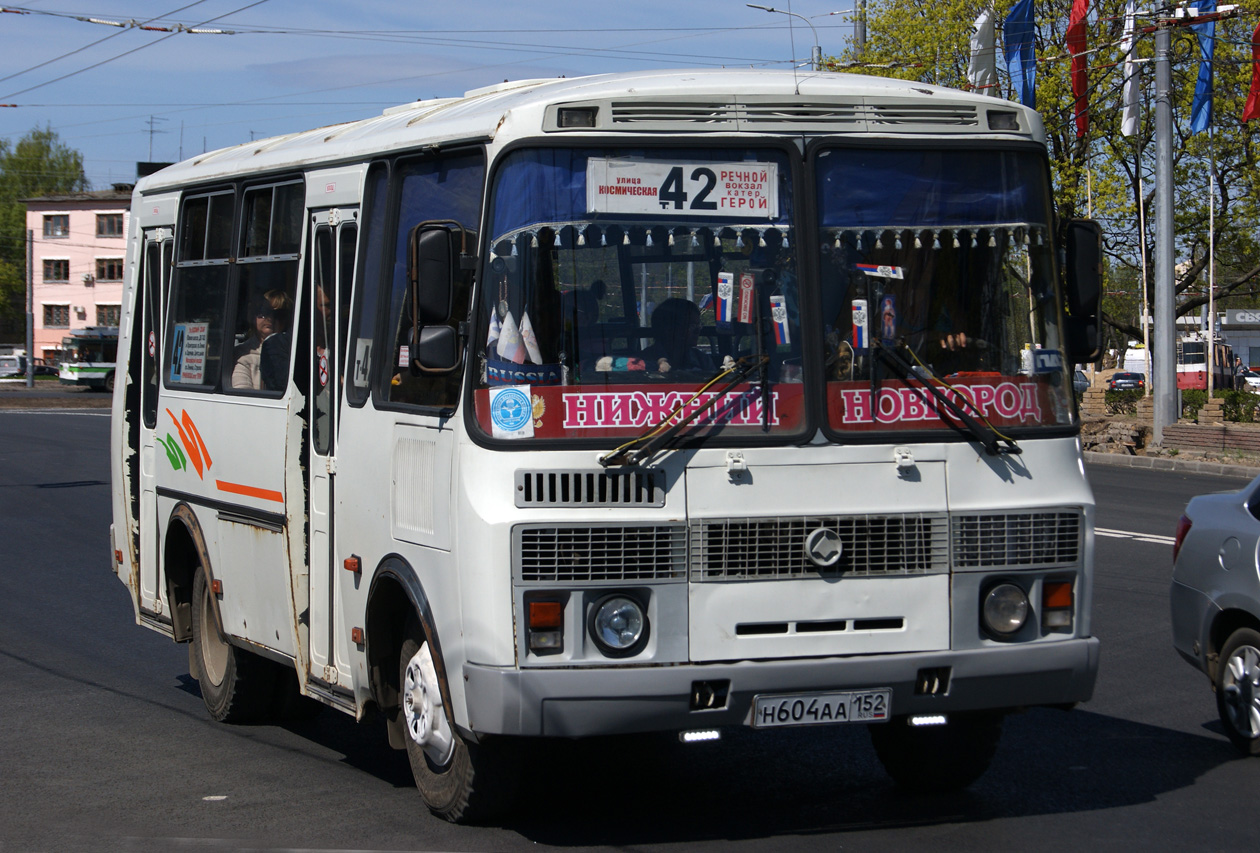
(545, 614)
(1056, 604)
(546, 626)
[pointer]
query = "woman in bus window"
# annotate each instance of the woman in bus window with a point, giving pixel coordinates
(270, 317)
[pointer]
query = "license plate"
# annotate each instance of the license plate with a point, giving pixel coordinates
(811, 709)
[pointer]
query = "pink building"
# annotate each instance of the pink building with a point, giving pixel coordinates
(79, 247)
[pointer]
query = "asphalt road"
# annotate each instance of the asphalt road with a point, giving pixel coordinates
(105, 744)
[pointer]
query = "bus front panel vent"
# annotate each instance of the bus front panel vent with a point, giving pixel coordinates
(1017, 539)
(593, 553)
(577, 488)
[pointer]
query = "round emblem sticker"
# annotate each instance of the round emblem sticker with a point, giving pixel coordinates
(152, 345)
(510, 410)
(323, 369)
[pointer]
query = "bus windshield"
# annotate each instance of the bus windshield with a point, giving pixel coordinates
(621, 281)
(944, 255)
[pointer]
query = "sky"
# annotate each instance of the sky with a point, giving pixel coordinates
(156, 89)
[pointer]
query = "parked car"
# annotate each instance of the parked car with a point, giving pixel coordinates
(1124, 381)
(13, 366)
(1251, 379)
(1080, 382)
(1215, 601)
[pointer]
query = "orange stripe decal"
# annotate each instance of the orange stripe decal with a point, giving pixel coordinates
(249, 491)
(196, 434)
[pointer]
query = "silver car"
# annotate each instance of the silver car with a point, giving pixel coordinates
(1215, 602)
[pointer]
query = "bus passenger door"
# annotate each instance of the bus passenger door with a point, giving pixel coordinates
(333, 239)
(152, 281)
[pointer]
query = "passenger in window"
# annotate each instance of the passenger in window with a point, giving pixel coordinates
(675, 333)
(270, 317)
(273, 355)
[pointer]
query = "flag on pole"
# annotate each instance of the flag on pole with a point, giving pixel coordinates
(1252, 110)
(492, 336)
(982, 70)
(530, 340)
(1021, 59)
(510, 346)
(1201, 106)
(1078, 47)
(1129, 96)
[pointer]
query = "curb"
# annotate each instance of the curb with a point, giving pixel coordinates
(1163, 463)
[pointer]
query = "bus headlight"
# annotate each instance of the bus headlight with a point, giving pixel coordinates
(619, 626)
(1004, 609)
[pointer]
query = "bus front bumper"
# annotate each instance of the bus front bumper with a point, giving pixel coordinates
(588, 701)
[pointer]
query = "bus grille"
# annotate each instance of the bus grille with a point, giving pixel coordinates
(612, 553)
(754, 114)
(589, 488)
(1017, 539)
(725, 549)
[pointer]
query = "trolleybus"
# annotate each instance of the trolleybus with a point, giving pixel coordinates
(88, 357)
(667, 401)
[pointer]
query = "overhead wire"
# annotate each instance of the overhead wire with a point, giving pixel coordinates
(127, 52)
(89, 45)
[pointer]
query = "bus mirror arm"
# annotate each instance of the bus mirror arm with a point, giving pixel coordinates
(1083, 250)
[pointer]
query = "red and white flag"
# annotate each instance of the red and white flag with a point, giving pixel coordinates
(1078, 46)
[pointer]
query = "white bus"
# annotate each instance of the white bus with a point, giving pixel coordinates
(670, 401)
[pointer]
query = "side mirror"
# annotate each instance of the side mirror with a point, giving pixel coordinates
(435, 349)
(1083, 248)
(438, 256)
(431, 272)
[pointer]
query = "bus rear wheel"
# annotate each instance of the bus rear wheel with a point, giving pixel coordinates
(459, 781)
(237, 686)
(940, 758)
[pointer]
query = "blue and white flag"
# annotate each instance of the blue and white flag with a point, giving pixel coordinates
(1201, 107)
(982, 68)
(492, 336)
(1129, 117)
(1021, 57)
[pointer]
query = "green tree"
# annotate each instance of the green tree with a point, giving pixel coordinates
(38, 165)
(1103, 173)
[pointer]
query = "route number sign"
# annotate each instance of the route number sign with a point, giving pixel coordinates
(682, 189)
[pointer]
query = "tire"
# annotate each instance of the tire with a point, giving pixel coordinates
(1238, 690)
(935, 759)
(460, 782)
(237, 686)
(109, 383)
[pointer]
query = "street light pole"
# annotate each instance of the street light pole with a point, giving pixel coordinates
(815, 57)
(1165, 350)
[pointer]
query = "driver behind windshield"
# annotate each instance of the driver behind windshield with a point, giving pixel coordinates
(675, 335)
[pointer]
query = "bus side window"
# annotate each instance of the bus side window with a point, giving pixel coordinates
(151, 275)
(199, 291)
(447, 187)
(262, 341)
(358, 359)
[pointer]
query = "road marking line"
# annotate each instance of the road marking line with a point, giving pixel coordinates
(81, 413)
(1137, 537)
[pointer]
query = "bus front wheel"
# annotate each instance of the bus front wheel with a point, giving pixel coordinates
(937, 758)
(459, 781)
(237, 686)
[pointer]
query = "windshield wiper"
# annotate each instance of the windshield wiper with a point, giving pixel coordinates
(983, 432)
(655, 437)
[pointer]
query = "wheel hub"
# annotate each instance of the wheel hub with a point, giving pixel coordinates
(422, 708)
(1242, 690)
